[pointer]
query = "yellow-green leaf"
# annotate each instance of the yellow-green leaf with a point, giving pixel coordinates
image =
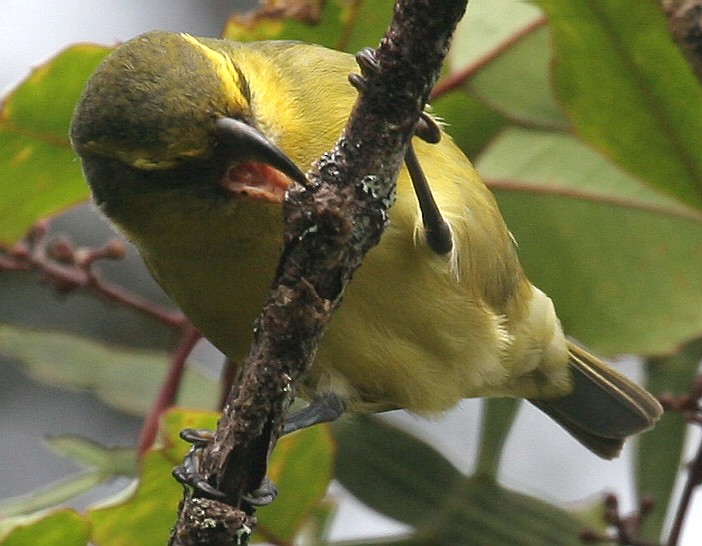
(58, 528)
(302, 466)
(40, 173)
(622, 262)
(144, 516)
(339, 24)
(628, 90)
(70, 361)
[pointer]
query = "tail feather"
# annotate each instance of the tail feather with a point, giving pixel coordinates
(604, 408)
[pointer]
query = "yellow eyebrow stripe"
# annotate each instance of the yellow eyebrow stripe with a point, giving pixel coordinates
(225, 70)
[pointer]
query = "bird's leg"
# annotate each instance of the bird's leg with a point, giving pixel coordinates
(427, 129)
(436, 229)
(189, 473)
(328, 407)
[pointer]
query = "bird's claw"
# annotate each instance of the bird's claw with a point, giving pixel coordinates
(367, 59)
(368, 62)
(358, 82)
(427, 129)
(189, 473)
(264, 495)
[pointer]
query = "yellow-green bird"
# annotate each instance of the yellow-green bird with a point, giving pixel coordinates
(189, 144)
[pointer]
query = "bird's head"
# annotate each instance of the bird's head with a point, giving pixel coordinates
(166, 111)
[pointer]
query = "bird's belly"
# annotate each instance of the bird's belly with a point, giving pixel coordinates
(410, 339)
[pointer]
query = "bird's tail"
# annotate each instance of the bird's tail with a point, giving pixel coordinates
(604, 407)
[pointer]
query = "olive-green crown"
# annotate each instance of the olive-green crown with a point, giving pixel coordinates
(153, 101)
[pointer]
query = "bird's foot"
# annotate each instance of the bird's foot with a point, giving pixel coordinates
(328, 407)
(189, 473)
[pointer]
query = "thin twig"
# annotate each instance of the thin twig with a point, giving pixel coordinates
(626, 528)
(68, 268)
(460, 77)
(694, 479)
(689, 405)
(169, 389)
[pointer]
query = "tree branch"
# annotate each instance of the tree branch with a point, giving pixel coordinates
(685, 24)
(330, 225)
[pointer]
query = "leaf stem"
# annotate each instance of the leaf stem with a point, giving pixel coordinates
(457, 79)
(169, 389)
(498, 415)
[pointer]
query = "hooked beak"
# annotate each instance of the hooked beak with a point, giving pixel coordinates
(262, 170)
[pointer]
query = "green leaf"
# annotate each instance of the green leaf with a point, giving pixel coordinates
(177, 419)
(110, 461)
(486, 27)
(343, 25)
(471, 124)
(61, 359)
(52, 494)
(593, 514)
(302, 467)
(142, 516)
(501, 54)
(317, 526)
(401, 477)
(390, 471)
(40, 174)
(485, 513)
(628, 90)
(102, 464)
(622, 263)
(518, 83)
(659, 453)
(59, 528)
(393, 541)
